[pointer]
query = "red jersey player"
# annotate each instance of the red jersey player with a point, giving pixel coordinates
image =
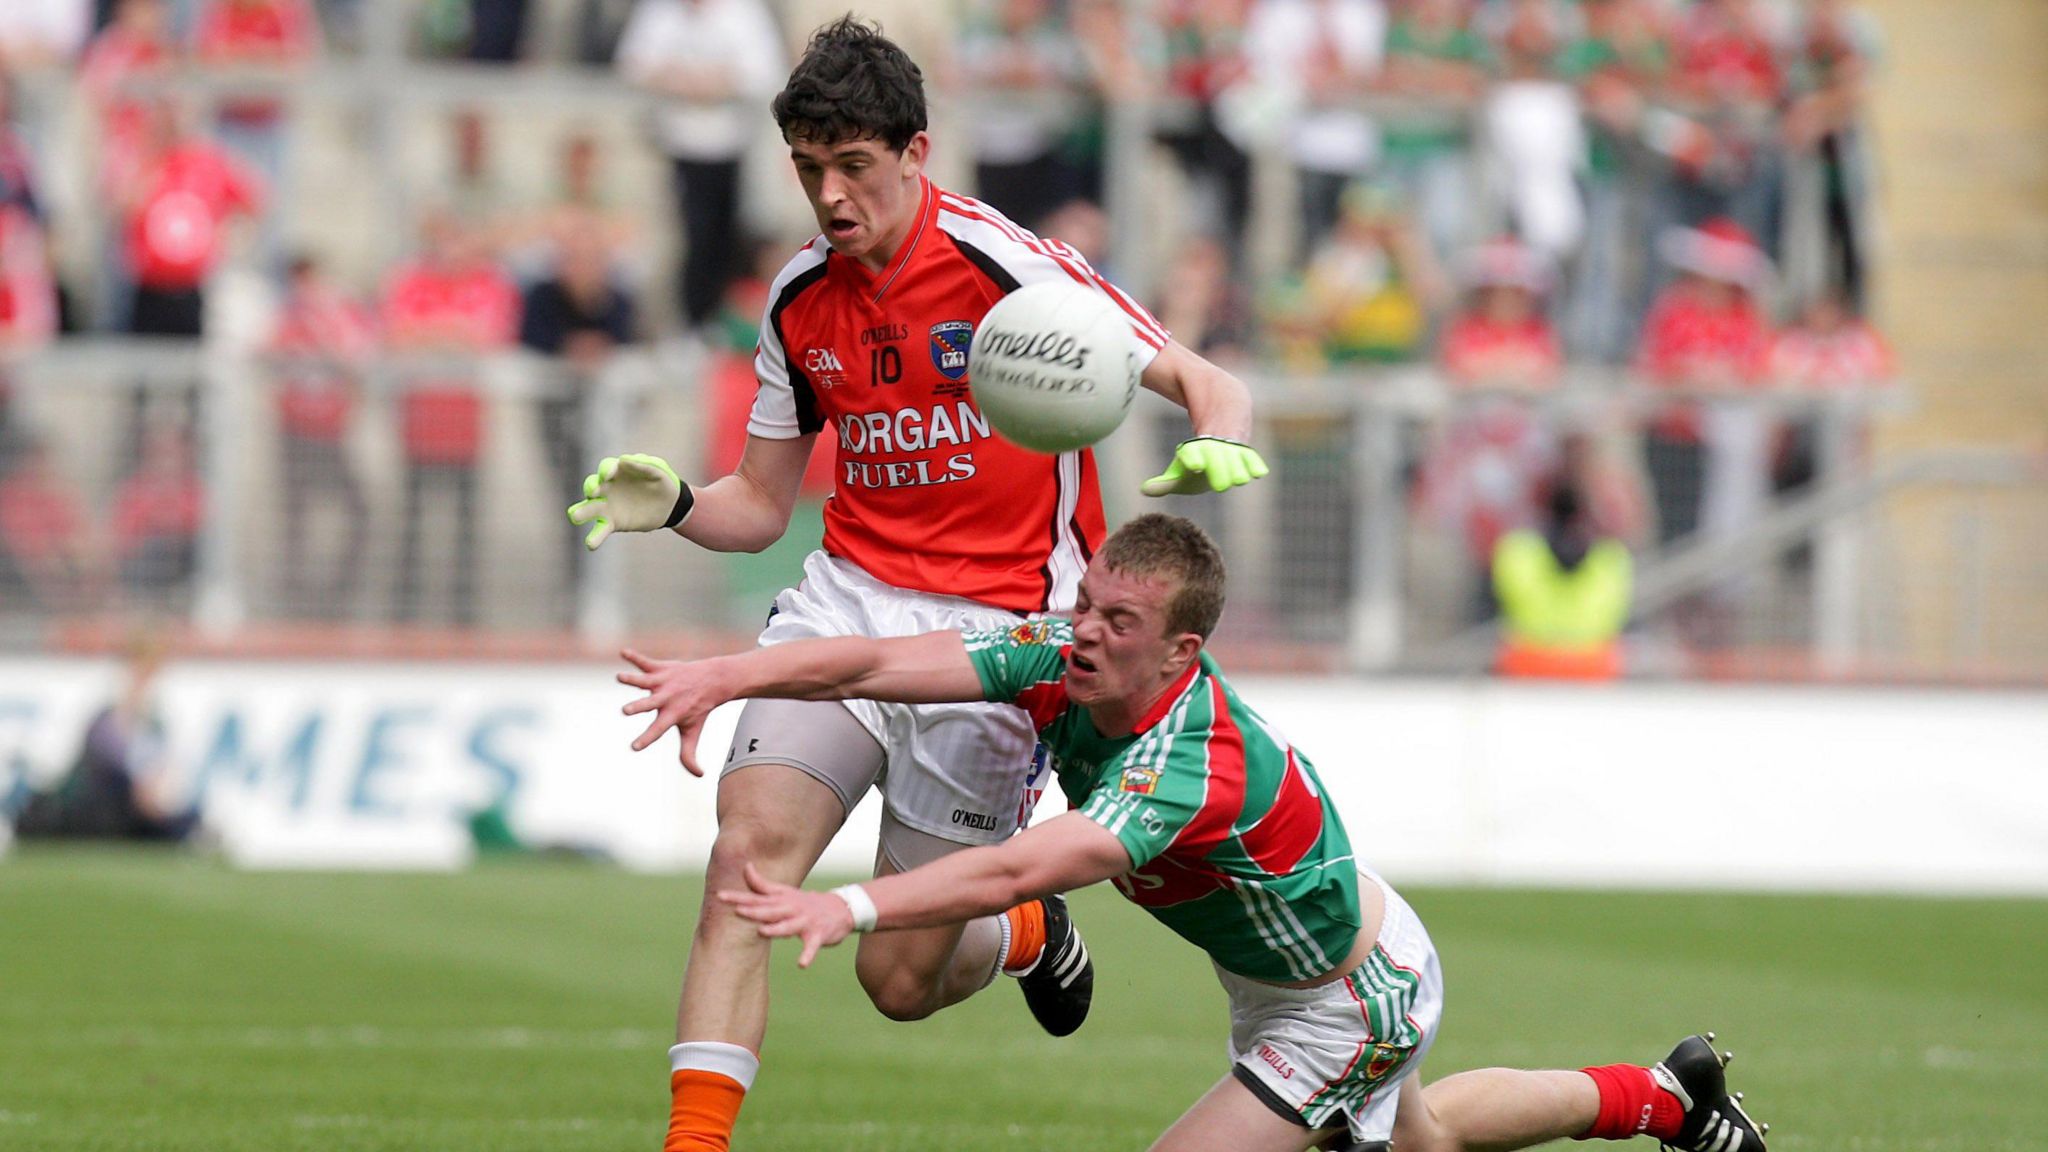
(934, 523)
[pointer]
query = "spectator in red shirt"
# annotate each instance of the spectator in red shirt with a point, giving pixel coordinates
(274, 36)
(453, 302)
(1830, 347)
(28, 288)
(1483, 476)
(136, 46)
(1502, 338)
(1706, 333)
(177, 208)
(321, 345)
(47, 553)
(158, 512)
(1728, 85)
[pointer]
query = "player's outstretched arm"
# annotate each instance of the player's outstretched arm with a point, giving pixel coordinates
(1218, 456)
(924, 669)
(743, 512)
(1067, 852)
(749, 510)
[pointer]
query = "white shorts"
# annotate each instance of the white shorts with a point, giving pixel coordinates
(1337, 1054)
(961, 772)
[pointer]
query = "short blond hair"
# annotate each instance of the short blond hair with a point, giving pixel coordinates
(1156, 544)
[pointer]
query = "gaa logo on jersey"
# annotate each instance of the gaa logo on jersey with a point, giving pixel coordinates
(1140, 780)
(950, 342)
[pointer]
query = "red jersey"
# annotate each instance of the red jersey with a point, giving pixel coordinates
(115, 57)
(1478, 350)
(39, 517)
(267, 32)
(157, 507)
(476, 309)
(1688, 342)
(925, 496)
(322, 338)
(28, 293)
(177, 233)
(1855, 354)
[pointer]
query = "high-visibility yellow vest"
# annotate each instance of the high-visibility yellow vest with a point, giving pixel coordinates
(1559, 621)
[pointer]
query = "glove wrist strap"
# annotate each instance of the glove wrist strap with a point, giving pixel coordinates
(1219, 440)
(685, 500)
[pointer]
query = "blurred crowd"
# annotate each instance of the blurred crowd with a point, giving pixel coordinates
(1506, 189)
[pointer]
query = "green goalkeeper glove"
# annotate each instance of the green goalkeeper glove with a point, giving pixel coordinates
(632, 493)
(1220, 464)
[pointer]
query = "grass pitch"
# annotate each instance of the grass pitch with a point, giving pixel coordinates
(159, 1002)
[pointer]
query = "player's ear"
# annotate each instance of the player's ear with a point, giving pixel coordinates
(1187, 647)
(916, 153)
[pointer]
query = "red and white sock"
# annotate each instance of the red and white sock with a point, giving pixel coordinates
(1632, 1104)
(707, 1082)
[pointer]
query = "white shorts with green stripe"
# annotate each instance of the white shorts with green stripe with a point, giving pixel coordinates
(1336, 1055)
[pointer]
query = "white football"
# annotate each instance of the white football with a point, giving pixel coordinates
(1054, 366)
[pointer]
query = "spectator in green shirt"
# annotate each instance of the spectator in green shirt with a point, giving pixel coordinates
(1434, 56)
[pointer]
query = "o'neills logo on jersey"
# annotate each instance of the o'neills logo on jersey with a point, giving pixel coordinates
(909, 430)
(950, 342)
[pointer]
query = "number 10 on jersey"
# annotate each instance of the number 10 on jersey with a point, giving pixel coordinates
(885, 365)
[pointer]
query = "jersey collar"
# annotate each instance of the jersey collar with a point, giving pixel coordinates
(1166, 699)
(876, 284)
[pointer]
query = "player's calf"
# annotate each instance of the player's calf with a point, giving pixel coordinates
(910, 975)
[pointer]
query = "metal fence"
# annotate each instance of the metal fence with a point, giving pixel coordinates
(1922, 567)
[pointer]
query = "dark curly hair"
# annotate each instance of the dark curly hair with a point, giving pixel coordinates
(853, 83)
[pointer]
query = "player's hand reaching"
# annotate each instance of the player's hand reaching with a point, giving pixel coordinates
(1206, 461)
(631, 493)
(680, 693)
(819, 919)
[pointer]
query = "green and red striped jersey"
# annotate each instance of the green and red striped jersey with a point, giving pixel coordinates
(1233, 843)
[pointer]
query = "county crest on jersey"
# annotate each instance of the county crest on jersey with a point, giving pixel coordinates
(951, 340)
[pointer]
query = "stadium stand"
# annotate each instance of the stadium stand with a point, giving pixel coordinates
(1324, 220)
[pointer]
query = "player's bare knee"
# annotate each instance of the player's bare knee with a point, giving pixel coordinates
(770, 846)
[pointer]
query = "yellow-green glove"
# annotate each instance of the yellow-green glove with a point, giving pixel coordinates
(632, 493)
(1206, 460)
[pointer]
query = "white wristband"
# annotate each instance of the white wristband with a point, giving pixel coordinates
(858, 902)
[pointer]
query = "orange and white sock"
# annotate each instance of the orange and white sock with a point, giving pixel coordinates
(707, 1082)
(1023, 937)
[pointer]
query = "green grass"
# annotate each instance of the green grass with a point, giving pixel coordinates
(163, 1002)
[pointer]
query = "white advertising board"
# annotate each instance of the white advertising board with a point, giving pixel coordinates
(374, 765)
